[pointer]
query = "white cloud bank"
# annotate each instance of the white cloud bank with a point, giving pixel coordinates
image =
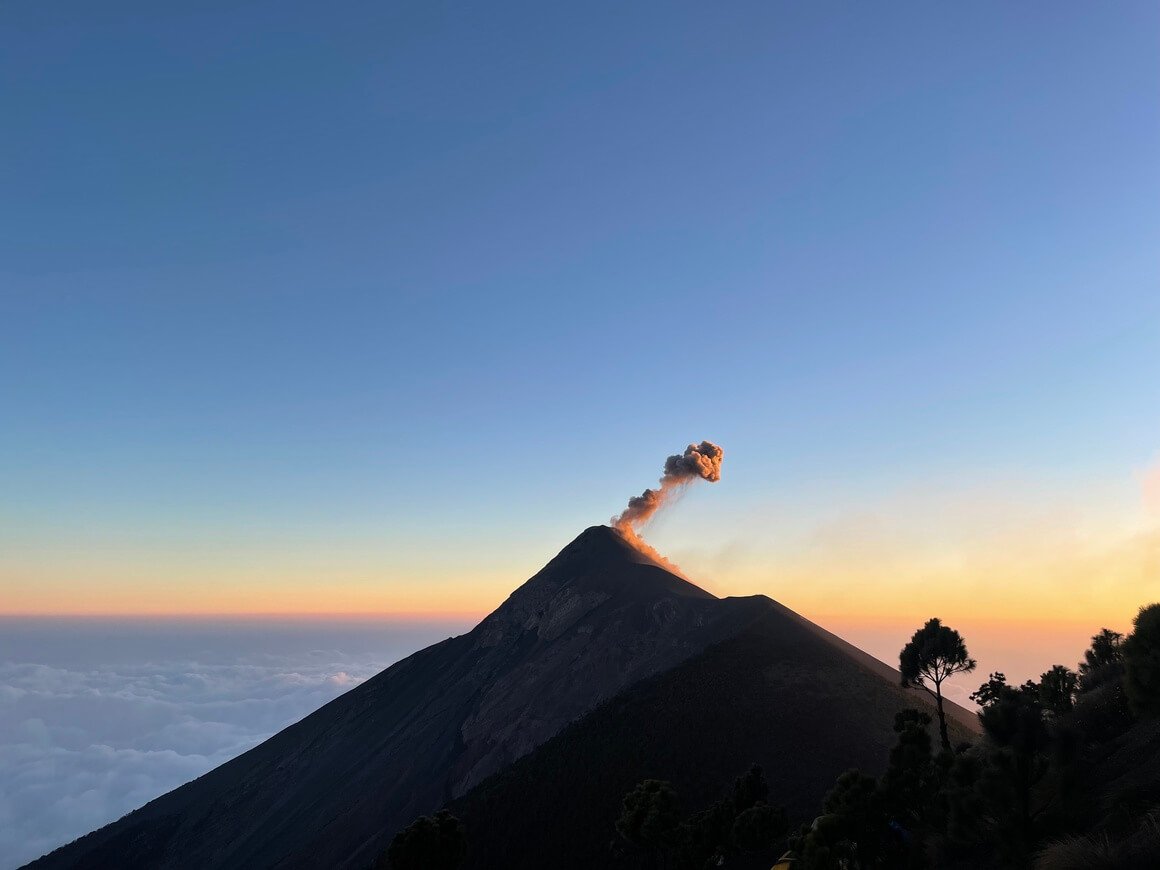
(92, 726)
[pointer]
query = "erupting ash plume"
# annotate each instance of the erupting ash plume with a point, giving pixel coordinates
(699, 461)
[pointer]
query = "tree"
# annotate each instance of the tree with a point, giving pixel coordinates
(1101, 707)
(759, 827)
(934, 653)
(750, 789)
(1013, 719)
(1011, 715)
(1102, 659)
(1105, 650)
(706, 835)
(853, 828)
(650, 815)
(743, 821)
(436, 842)
(1057, 689)
(756, 824)
(911, 781)
(1142, 662)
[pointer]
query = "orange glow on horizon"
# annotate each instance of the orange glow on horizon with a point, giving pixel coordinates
(1005, 554)
(471, 617)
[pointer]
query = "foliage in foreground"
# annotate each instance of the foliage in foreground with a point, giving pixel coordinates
(741, 823)
(436, 842)
(1029, 793)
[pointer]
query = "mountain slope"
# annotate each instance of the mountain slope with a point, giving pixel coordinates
(782, 693)
(332, 789)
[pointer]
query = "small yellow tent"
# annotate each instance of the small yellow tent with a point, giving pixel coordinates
(785, 862)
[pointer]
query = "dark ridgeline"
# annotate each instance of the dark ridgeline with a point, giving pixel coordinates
(712, 685)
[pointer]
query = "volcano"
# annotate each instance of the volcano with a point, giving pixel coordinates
(602, 669)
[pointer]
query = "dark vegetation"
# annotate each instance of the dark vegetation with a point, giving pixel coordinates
(934, 654)
(429, 843)
(739, 824)
(1065, 775)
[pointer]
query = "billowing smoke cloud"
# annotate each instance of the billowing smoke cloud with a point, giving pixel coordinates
(698, 462)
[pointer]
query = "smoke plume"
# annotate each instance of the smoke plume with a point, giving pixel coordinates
(698, 462)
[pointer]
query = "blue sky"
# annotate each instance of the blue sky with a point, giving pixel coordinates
(395, 293)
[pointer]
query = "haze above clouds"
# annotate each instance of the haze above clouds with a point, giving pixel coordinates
(99, 716)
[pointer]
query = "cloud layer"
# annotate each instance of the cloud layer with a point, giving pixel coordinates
(88, 734)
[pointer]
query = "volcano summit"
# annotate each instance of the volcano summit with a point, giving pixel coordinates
(602, 639)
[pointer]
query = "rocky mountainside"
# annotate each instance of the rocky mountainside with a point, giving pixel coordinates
(330, 790)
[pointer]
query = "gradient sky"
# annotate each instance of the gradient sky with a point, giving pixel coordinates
(372, 308)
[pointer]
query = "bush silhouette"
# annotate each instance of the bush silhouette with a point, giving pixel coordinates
(650, 814)
(436, 842)
(853, 828)
(758, 828)
(1142, 662)
(750, 789)
(1103, 660)
(1057, 688)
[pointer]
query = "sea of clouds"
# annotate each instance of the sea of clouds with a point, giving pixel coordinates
(99, 716)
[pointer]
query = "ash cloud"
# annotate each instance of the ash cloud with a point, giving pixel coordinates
(698, 462)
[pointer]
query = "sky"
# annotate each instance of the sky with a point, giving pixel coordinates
(371, 309)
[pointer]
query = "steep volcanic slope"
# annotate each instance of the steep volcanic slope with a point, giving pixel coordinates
(782, 693)
(330, 790)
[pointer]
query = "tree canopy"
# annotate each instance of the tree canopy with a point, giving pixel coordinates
(1057, 688)
(934, 653)
(436, 842)
(1142, 662)
(1103, 660)
(651, 812)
